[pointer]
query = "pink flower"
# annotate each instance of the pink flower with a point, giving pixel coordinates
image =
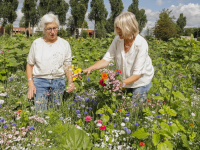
(103, 127)
(88, 118)
(165, 103)
(101, 82)
(99, 121)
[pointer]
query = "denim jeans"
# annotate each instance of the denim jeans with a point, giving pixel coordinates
(48, 91)
(139, 93)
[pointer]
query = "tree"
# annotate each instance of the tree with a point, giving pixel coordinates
(98, 14)
(8, 11)
(78, 11)
(181, 23)
(139, 14)
(116, 8)
(30, 13)
(22, 22)
(59, 7)
(165, 27)
(70, 25)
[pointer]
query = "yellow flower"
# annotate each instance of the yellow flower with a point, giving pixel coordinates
(78, 39)
(75, 71)
(71, 37)
(74, 78)
(78, 70)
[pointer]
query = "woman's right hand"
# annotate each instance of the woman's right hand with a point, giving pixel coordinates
(88, 70)
(31, 89)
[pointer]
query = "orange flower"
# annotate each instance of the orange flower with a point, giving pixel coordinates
(191, 125)
(19, 111)
(104, 76)
(142, 144)
(149, 101)
(120, 110)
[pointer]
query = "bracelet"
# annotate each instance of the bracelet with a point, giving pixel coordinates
(30, 79)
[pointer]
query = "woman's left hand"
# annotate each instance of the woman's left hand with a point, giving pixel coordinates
(71, 87)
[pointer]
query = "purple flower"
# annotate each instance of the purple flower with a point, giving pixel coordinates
(156, 94)
(5, 126)
(88, 79)
(158, 116)
(136, 124)
(101, 114)
(90, 108)
(169, 123)
(161, 103)
(79, 115)
(86, 93)
(125, 128)
(2, 120)
(128, 131)
(0, 105)
(31, 128)
(61, 118)
(86, 112)
(75, 100)
(55, 101)
(116, 109)
(77, 111)
(73, 109)
(7, 95)
(69, 105)
(75, 93)
(95, 103)
(87, 99)
(72, 103)
(128, 114)
(14, 124)
(114, 125)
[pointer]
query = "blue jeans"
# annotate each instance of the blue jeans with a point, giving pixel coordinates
(139, 93)
(48, 90)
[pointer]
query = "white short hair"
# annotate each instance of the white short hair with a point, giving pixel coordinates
(48, 18)
(127, 22)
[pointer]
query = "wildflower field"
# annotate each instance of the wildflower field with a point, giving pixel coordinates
(99, 114)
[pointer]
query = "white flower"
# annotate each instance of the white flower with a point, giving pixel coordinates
(153, 112)
(107, 138)
(3, 94)
(9, 136)
(111, 64)
(193, 114)
(127, 118)
(47, 117)
(1, 101)
(122, 124)
(50, 131)
(122, 132)
(114, 114)
(96, 145)
(86, 60)
(99, 124)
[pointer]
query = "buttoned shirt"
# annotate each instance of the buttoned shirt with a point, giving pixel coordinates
(135, 62)
(49, 60)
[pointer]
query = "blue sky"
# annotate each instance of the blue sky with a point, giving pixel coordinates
(189, 8)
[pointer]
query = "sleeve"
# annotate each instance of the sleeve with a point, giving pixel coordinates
(31, 55)
(68, 55)
(142, 52)
(110, 54)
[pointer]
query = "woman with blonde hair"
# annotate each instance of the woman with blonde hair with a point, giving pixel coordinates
(129, 50)
(48, 61)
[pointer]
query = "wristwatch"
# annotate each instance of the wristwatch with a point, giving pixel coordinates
(30, 79)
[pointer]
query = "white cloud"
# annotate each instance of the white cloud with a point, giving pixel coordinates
(159, 2)
(190, 11)
(19, 16)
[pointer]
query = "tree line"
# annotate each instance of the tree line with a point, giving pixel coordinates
(165, 27)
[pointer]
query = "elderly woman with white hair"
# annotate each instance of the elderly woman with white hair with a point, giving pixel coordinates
(48, 61)
(129, 50)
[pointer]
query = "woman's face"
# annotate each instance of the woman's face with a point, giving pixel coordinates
(51, 30)
(119, 32)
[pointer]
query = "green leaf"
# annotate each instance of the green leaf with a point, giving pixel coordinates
(105, 118)
(158, 97)
(162, 111)
(77, 139)
(167, 145)
(184, 139)
(180, 126)
(141, 134)
(172, 112)
(156, 138)
(178, 95)
(97, 148)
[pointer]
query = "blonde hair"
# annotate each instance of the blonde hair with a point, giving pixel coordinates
(48, 18)
(127, 22)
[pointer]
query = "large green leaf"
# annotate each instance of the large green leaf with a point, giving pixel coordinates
(179, 95)
(185, 141)
(77, 139)
(141, 134)
(156, 138)
(105, 118)
(167, 145)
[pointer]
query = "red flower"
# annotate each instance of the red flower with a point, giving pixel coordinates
(103, 127)
(19, 111)
(120, 110)
(101, 82)
(118, 71)
(142, 144)
(191, 125)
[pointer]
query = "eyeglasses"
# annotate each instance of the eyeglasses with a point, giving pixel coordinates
(55, 29)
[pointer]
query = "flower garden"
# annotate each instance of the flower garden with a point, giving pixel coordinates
(99, 114)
